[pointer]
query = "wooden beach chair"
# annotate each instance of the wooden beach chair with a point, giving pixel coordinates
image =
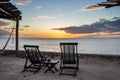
(34, 58)
(69, 57)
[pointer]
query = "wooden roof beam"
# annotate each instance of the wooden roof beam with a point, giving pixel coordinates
(9, 7)
(4, 0)
(10, 10)
(4, 12)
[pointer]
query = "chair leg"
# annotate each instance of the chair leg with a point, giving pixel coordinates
(77, 68)
(26, 67)
(61, 71)
(75, 72)
(38, 69)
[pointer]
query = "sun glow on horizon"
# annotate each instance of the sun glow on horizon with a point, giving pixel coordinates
(48, 34)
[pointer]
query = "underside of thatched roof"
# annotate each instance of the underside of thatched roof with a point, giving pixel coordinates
(9, 11)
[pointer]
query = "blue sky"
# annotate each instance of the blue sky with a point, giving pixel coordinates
(42, 16)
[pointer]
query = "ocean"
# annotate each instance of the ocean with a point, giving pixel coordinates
(85, 46)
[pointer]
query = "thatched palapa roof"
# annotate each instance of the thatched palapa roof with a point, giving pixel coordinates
(9, 11)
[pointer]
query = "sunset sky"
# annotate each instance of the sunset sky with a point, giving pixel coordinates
(64, 19)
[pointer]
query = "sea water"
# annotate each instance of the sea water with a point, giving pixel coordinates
(85, 46)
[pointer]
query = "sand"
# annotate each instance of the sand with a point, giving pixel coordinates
(89, 69)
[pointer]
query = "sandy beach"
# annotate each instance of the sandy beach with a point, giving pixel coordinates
(90, 68)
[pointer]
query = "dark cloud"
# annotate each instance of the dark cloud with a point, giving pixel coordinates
(103, 25)
(21, 29)
(26, 26)
(3, 32)
(2, 23)
(107, 4)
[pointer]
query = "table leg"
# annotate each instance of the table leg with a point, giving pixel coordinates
(55, 68)
(50, 66)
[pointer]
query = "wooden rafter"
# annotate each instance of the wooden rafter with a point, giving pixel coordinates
(10, 11)
(4, 0)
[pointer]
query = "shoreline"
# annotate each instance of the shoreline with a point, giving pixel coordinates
(21, 54)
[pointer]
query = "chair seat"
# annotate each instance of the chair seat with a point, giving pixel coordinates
(69, 62)
(69, 67)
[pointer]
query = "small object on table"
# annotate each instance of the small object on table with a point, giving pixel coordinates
(48, 60)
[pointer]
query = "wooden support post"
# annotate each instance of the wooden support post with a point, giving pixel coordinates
(17, 36)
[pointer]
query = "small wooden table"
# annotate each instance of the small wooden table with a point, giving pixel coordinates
(51, 65)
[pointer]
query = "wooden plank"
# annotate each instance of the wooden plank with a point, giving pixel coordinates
(17, 36)
(8, 7)
(10, 10)
(4, 0)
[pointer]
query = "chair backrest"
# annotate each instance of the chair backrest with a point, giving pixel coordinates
(33, 53)
(69, 53)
